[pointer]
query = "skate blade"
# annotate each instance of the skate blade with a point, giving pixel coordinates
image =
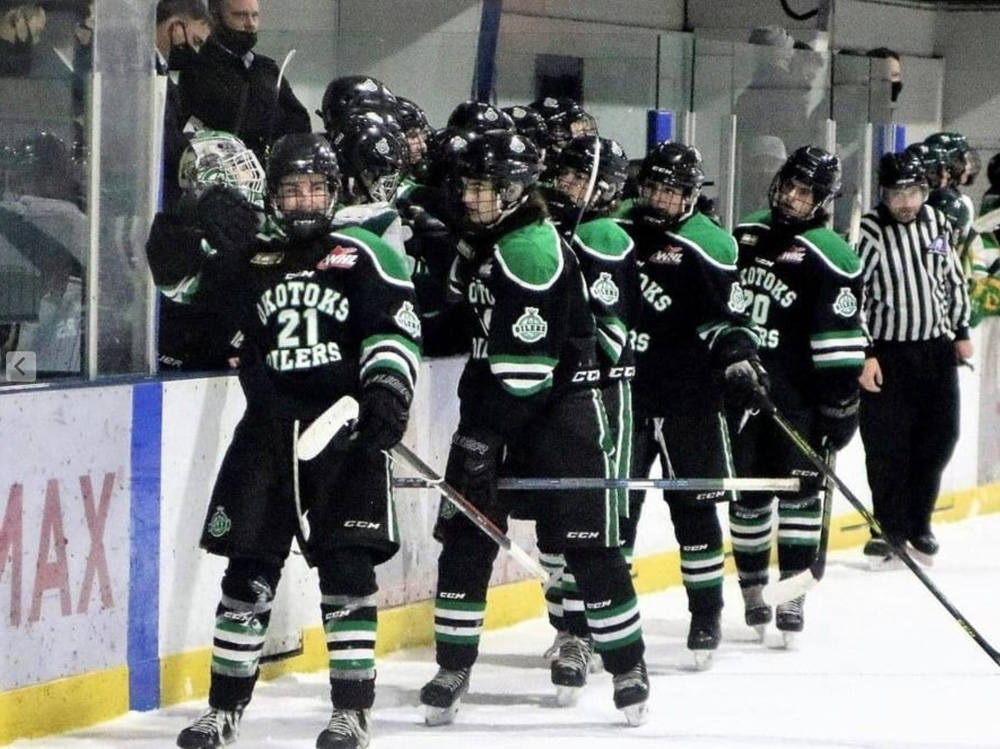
(636, 714)
(595, 665)
(919, 557)
(884, 564)
(567, 696)
(440, 716)
(761, 630)
(703, 660)
(789, 640)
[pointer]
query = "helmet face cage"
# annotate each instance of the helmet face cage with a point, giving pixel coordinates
(813, 168)
(672, 166)
(577, 159)
(373, 158)
(507, 165)
(303, 153)
(217, 158)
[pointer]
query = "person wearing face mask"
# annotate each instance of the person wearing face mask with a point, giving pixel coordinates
(229, 87)
(893, 70)
(182, 26)
(917, 311)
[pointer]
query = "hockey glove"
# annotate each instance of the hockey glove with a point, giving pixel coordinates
(228, 220)
(837, 422)
(473, 464)
(383, 410)
(745, 379)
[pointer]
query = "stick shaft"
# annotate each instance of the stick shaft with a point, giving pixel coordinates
(554, 484)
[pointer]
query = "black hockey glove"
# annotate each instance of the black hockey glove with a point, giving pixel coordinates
(745, 379)
(836, 423)
(473, 464)
(228, 220)
(383, 410)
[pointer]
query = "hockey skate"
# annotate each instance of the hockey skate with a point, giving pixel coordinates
(756, 612)
(596, 665)
(213, 729)
(703, 639)
(790, 620)
(632, 692)
(347, 729)
(879, 555)
(923, 547)
(570, 668)
(442, 695)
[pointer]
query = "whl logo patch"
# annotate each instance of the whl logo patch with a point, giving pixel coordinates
(530, 327)
(339, 257)
(604, 289)
(846, 304)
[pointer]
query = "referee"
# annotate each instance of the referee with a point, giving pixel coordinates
(917, 310)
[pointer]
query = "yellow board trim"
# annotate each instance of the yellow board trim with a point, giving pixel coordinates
(78, 701)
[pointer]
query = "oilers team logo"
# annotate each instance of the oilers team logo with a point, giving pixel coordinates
(739, 300)
(846, 304)
(407, 319)
(604, 289)
(530, 327)
(220, 524)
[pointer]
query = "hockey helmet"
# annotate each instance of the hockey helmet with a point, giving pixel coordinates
(303, 153)
(811, 167)
(214, 157)
(372, 157)
(509, 163)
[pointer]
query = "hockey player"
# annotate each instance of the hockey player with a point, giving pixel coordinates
(917, 311)
(326, 314)
(803, 287)
(195, 251)
(529, 407)
(691, 336)
(589, 178)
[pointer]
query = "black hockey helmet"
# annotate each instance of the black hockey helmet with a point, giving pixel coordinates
(478, 117)
(349, 94)
(949, 201)
(813, 167)
(565, 118)
(668, 165)
(949, 152)
(302, 153)
(530, 123)
(416, 134)
(578, 156)
(901, 170)
(372, 156)
(507, 160)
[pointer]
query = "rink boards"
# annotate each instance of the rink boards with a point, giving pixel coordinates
(106, 602)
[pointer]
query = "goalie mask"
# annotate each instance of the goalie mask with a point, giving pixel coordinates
(804, 187)
(217, 158)
(372, 157)
(303, 180)
(497, 170)
(669, 182)
(572, 171)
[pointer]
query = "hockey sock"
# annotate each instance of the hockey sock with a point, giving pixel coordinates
(553, 587)
(799, 525)
(612, 610)
(241, 621)
(575, 619)
(464, 568)
(750, 529)
(702, 571)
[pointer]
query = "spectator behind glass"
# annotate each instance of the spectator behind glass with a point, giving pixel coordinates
(893, 70)
(229, 87)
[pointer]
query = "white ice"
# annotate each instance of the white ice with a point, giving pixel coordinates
(881, 665)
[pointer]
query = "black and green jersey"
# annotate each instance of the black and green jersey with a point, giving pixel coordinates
(533, 332)
(804, 293)
(693, 310)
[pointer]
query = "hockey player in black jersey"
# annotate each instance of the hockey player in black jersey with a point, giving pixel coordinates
(324, 314)
(589, 176)
(803, 286)
(691, 337)
(529, 406)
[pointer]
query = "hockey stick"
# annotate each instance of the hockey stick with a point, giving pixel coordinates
(899, 549)
(325, 427)
(677, 485)
(818, 567)
(473, 513)
(987, 222)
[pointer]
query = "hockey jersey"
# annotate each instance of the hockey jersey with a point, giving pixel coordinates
(804, 293)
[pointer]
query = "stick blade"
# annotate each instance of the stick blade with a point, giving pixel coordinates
(782, 591)
(987, 222)
(326, 426)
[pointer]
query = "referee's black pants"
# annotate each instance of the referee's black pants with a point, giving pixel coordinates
(909, 431)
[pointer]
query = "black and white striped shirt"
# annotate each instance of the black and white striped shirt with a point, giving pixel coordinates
(914, 289)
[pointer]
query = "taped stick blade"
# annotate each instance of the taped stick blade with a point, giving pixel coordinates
(326, 426)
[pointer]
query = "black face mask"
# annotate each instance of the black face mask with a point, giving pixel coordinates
(895, 89)
(237, 42)
(181, 56)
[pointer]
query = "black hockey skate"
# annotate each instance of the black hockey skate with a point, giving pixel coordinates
(570, 668)
(789, 619)
(703, 639)
(442, 695)
(347, 729)
(756, 612)
(213, 729)
(923, 547)
(632, 692)
(879, 555)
